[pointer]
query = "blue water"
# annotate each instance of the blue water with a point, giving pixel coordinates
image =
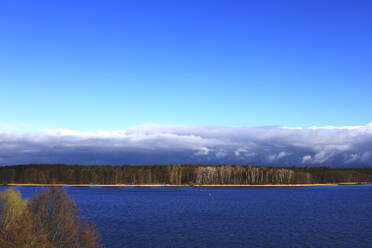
(325, 216)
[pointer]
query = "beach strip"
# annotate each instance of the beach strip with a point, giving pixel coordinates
(183, 185)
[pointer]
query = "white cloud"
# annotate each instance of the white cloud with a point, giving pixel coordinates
(322, 157)
(276, 157)
(306, 159)
(152, 143)
(202, 151)
(240, 151)
(351, 158)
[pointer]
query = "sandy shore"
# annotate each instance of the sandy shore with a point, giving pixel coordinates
(186, 185)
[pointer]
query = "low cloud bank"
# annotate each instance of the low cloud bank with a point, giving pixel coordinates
(349, 146)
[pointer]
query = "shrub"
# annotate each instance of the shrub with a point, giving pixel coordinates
(49, 220)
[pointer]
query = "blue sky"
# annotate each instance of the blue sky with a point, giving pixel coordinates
(89, 65)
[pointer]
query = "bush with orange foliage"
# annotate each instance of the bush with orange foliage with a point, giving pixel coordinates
(50, 220)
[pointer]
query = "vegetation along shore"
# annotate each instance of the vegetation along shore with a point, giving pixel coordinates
(179, 175)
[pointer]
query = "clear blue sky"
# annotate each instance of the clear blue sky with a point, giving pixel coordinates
(108, 65)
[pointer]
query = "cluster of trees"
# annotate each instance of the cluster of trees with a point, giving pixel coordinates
(331, 175)
(48, 220)
(177, 174)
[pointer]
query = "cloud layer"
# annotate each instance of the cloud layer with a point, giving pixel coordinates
(349, 146)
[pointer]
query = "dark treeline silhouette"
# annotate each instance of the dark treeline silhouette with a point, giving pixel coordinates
(178, 174)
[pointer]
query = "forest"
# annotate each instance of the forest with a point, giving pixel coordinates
(186, 174)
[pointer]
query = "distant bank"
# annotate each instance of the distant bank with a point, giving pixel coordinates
(183, 185)
(180, 175)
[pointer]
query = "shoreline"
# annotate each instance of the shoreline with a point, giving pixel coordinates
(184, 185)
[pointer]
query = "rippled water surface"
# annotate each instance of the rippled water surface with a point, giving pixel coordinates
(324, 216)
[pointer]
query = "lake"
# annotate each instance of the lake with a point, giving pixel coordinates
(319, 216)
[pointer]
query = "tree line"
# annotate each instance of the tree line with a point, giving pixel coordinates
(186, 174)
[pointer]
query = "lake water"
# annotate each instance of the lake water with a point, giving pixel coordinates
(322, 216)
